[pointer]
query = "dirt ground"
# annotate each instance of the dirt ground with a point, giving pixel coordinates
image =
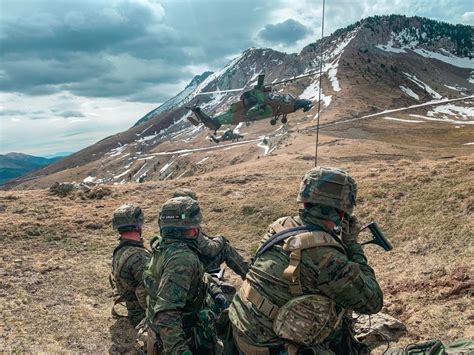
(417, 183)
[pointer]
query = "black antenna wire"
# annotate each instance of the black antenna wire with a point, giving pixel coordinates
(320, 89)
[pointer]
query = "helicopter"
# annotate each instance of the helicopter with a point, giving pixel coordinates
(255, 104)
(228, 135)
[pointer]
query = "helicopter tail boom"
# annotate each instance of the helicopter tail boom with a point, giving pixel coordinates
(203, 118)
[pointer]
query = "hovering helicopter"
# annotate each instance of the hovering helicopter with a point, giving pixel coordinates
(255, 104)
(228, 135)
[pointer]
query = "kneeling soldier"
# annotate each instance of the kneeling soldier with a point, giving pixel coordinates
(216, 250)
(180, 310)
(128, 261)
(305, 278)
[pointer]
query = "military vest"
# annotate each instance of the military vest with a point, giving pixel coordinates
(123, 279)
(151, 278)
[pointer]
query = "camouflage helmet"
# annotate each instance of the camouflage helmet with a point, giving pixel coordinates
(181, 212)
(127, 217)
(331, 187)
(183, 191)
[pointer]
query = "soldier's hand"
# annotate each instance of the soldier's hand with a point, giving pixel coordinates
(350, 230)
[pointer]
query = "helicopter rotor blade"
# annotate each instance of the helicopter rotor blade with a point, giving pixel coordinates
(218, 91)
(291, 79)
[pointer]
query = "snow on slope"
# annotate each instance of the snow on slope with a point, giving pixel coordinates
(447, 58)
(331, 58)
(409, 92)
(424, 86)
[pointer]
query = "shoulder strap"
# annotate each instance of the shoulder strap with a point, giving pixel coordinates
(295, 244)
(278, 237)
(132, 250)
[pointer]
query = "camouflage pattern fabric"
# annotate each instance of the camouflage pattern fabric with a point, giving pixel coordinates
(307, 320)
(344, 278)
(332, 187)
(180, 212)
(461, 346)
(215, 251)
(128, 262)
(177, 303)
(127, 216)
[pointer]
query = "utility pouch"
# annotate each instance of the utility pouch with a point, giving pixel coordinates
(307, 320)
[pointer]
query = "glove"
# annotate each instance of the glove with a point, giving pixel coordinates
(350, 230)
(221, 301)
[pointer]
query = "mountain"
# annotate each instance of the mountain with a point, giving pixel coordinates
(379, 64)
(14, 165)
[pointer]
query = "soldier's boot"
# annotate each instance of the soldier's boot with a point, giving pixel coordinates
(235, 261)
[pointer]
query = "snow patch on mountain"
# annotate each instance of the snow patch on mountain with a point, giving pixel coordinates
(117, 151)
(424, 86)
(463, 112)
(405, 41)
(312, 93)
(409, 92)
(447, 58)
(401, 120)
(331, 66)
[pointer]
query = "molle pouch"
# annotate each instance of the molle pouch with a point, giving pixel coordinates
(307, 320)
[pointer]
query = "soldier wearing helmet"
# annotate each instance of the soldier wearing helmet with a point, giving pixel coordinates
(180, 304)
(216, 250)
(306, 278)
(128, 261)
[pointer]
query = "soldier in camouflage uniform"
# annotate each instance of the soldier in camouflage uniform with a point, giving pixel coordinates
(180, 308)
(214, 251)
(306, 278)
(128, 261)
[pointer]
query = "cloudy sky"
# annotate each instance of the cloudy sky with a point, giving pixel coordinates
(75, 71)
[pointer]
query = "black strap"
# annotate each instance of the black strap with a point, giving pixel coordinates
(278, 237)
(128, 243)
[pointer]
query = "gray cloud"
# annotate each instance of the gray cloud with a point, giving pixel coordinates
(118, 49)
(71, 113)
(286, 32)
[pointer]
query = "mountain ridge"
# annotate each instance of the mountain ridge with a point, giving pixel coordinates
(14, 165)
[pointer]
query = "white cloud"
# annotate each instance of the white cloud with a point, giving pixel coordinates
(53, 133)
(468, 18)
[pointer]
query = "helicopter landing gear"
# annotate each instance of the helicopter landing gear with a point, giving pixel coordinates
(284, 119)
(273, 121)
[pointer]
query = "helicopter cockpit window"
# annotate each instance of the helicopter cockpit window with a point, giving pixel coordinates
(286, 98)
(248, 99)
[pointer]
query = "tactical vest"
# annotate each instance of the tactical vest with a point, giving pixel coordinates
(120, 257)
(151, 278)
(316, 315)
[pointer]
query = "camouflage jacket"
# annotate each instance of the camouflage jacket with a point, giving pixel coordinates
(344, 278)
(178, 296)
(215, 251)
(128, 262)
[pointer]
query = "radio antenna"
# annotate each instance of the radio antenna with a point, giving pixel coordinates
(320, 88)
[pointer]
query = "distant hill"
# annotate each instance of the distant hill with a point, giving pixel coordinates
(14, 165)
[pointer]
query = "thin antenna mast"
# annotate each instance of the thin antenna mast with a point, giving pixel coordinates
(320, 89)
